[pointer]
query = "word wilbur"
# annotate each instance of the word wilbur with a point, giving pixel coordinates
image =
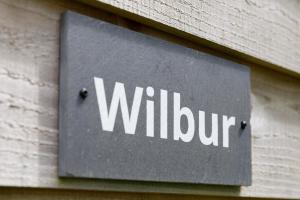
(130, 118)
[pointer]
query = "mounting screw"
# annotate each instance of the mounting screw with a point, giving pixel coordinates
(83, 93)
(243, 124)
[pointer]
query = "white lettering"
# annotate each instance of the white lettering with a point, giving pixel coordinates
(150, 113)
(227, 123)
(164, 114)
(213, 139)
(119, 97)
(130, 117)
(178, 113)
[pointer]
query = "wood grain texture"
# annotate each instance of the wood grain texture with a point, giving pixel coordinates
(265, 32)
(47, 194)
(29, 44)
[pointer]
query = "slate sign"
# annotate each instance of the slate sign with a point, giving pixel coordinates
(135, 107)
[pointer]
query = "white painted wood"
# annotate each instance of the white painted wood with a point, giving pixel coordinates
(268, 30)
(28, 113)
(48, 194)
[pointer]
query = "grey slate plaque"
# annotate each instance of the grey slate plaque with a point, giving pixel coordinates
(155, 111)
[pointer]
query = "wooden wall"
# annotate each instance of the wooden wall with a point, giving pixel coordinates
(29, 42)
(262, 31)
(50, 194)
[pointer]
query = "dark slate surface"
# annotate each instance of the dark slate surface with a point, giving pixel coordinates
(93, 48)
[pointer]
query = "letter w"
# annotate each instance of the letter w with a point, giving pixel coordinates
(108, 118)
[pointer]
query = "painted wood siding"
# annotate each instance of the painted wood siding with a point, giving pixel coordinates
(266, 31)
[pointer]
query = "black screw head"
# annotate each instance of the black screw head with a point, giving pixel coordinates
(243, 124)
(83, 93)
